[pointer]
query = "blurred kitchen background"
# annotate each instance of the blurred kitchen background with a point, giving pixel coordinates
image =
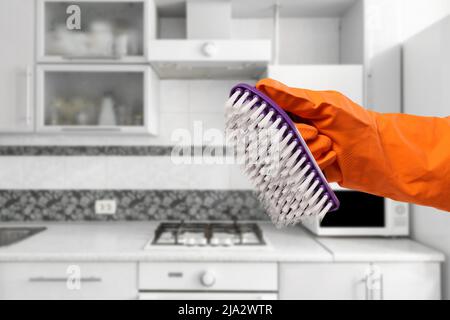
(94, 96)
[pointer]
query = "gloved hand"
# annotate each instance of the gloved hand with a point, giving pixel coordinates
(399, 156)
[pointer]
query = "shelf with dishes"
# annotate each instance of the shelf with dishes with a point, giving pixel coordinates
(97, 98)
(92, 31)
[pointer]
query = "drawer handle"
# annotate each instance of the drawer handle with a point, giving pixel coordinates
(175, 274)
(63, 279)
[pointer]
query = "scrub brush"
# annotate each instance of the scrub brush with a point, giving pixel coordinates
(276, 158)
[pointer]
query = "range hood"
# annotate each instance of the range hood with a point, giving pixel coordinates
(209, 50)
(209, 58)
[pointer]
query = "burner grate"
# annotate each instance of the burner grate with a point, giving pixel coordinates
(209, 234)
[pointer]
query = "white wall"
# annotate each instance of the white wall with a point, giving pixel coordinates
(417, 15)
(424, 89)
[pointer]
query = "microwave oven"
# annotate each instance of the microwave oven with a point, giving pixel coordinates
(362, 214)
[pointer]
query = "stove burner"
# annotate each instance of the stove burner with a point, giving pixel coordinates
(208, 234)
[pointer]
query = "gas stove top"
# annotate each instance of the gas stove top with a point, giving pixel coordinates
(208, 234)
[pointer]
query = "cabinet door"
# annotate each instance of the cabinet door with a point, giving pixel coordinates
(356, 281)
(16, 65)
(71, 280)
(83, 98)
(329, 281)
(418, 281)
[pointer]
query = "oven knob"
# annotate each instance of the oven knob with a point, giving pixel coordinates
(208, 279)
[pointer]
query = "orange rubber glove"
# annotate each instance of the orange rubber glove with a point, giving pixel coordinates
(398, 156)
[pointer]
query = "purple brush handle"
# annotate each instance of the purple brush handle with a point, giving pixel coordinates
(322, 180)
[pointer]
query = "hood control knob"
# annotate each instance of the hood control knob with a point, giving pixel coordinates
(208, 279)
(210, 49)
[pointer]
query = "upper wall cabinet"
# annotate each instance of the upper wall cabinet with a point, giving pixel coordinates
(321, 47)
(16, 65)
(97, 99)
(83, 31)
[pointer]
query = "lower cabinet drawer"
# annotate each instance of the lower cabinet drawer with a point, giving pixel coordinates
(68, 280)
(208, 276)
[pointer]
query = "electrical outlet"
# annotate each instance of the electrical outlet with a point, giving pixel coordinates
(105, 206)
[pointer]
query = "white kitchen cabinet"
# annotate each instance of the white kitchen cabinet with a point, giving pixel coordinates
(16, 65)
(97, 98)
(114, 31)
(383, 55)
(347, 79)
(75, 280)
(360, 281)
(322, 281)
(417, 281)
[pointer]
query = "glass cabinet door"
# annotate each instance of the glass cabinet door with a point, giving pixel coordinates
(82, 98)
(94, 30)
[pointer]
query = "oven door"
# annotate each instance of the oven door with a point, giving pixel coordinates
(207, 296)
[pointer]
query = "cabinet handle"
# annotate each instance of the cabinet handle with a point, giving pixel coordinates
(92, 57)
(63, 279)
(29, 77)
(85, 129)
(373, 277)
(381, 287)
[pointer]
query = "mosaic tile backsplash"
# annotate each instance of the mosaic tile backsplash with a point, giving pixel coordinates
(103, 150)
(75, 205)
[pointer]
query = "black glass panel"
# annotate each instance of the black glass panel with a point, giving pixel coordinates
(357, 210)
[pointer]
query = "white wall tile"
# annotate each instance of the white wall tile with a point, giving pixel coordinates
(167, 174)
(146, 173)
(238, 180)
(11, 140)
(85, 172)
(127, 172)
(43, 172)
(174, 96)
(209, 176)
(209, 95)
(170, 122)
(208, 121)
(11, 172)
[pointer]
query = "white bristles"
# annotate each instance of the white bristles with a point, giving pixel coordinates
(275, 161)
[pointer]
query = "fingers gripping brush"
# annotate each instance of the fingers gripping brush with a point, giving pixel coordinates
(277, 160)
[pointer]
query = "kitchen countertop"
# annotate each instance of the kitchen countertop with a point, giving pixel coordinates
(125, 241)
(378, 249)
